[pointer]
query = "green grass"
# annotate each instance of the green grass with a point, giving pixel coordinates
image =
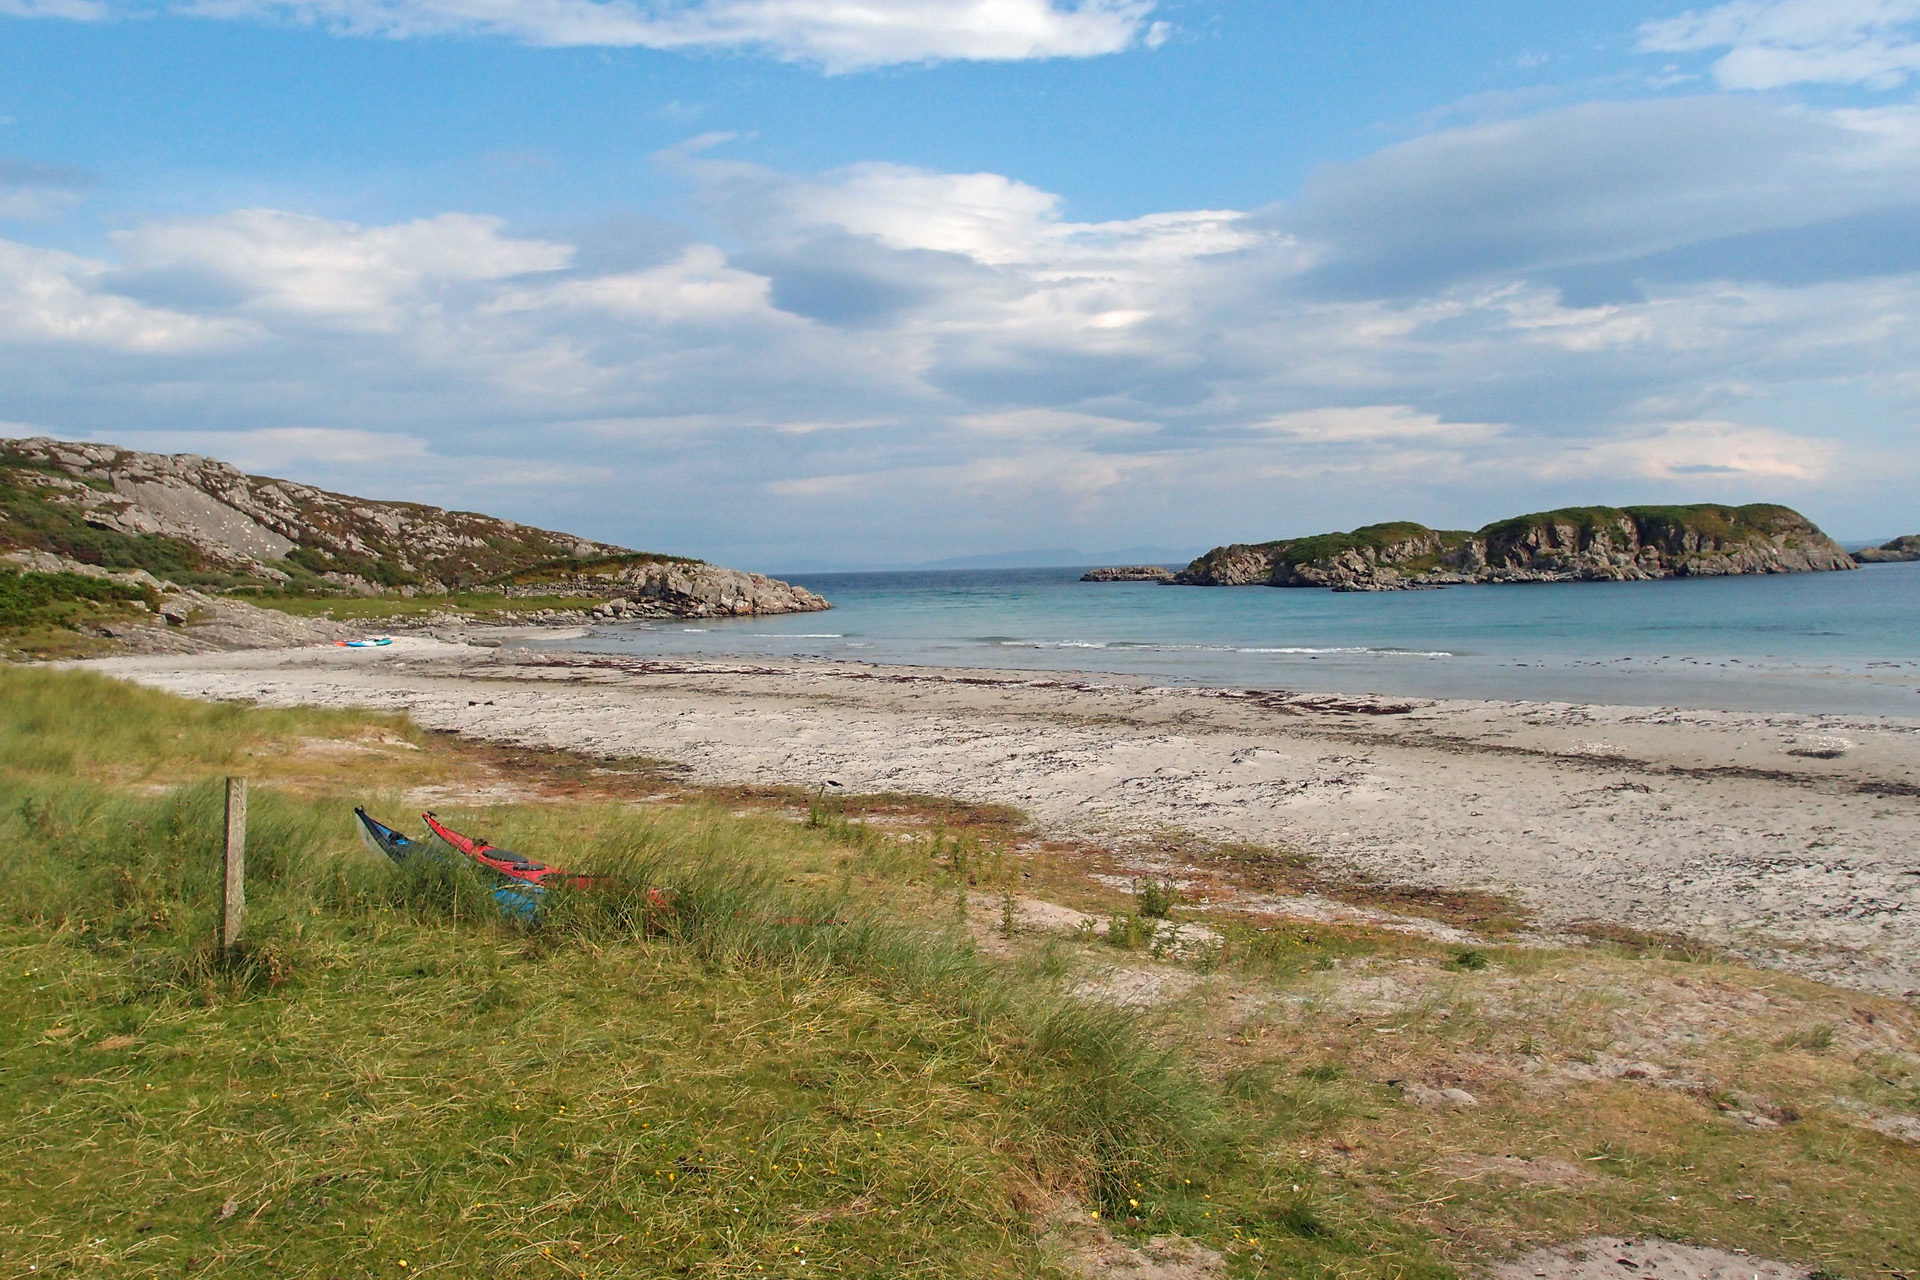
(479, 603)
(388, 1071)
(567, 568)
(64, 599)
(699, 1083)
(1661, 525)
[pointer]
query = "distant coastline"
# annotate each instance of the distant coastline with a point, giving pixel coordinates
(1573, 544)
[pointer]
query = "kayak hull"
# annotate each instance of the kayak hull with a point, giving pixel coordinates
(383, 839)
(508, 863)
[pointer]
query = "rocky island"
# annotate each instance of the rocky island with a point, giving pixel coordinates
(1898, 551)
(91, 534)
(1130, 573)
(1575, 544)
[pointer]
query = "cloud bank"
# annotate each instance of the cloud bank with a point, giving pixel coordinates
(1771, 44)
(838, 35)
(903, 362)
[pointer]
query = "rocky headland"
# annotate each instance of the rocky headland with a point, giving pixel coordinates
(1130, 573)
(1579, 544)
(1895, 552)
(179, 540)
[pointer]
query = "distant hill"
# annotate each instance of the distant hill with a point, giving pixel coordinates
(201, 523)
(1894, 552)
(1574, 544)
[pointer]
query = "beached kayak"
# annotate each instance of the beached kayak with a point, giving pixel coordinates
(381, 838)
(505, 861)
(516, 898)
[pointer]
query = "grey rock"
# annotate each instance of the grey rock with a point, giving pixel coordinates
(1898, 551)
(1130, 573)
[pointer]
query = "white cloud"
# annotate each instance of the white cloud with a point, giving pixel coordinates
(1774, 43)
(71, 10)
(1390, 424)
(839, 35)
(52, 297)
(994, 220)
(1697, 453)
(881, 353)
(273, 263)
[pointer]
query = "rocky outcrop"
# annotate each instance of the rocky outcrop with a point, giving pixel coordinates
(1584, 544)
(202, 523)
(1895, 552)
(654, 588)
(1129, 573)
(213, 518)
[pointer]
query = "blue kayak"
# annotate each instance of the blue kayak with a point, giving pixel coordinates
(516, 899)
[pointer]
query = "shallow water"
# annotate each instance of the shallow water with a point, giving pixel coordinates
(1817, 642)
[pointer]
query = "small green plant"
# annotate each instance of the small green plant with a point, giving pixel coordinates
(1155, 897)
(1471, 959)
(1130, 932)
(1814, 1039)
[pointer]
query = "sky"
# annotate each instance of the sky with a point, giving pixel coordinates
(870, 282)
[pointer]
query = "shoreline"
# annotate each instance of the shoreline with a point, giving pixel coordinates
(1791, 840)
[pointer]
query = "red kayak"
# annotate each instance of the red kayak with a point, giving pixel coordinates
(506, 862)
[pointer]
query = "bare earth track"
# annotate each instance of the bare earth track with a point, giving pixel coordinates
(1791, 840)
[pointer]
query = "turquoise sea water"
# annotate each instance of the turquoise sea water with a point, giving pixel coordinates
(1818, 642)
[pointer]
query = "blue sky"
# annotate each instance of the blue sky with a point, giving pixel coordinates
(880, 281)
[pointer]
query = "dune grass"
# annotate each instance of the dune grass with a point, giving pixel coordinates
(390, 1078)
(791, 1038)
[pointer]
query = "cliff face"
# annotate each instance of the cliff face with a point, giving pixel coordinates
(200, 522)
(1570, 545)
(1895, 552)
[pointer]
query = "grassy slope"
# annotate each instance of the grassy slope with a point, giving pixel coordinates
(389, 1073)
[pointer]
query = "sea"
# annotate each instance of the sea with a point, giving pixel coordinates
(1842, 643)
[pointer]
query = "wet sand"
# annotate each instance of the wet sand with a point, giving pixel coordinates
(1793, 840)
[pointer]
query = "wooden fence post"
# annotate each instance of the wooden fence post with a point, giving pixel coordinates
(233, 905)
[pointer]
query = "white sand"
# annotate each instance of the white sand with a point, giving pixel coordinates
(1610, 1258)
(1697, 822)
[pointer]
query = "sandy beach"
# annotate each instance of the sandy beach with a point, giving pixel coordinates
(1792, 840)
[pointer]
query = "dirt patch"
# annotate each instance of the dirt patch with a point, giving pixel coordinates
(1137, 988)
(1161, 1258)
(1611, 1258)
(1548, 1171)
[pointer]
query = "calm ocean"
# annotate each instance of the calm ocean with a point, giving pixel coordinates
(1817, 642)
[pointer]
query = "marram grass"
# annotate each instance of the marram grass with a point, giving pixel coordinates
(735, 1061)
